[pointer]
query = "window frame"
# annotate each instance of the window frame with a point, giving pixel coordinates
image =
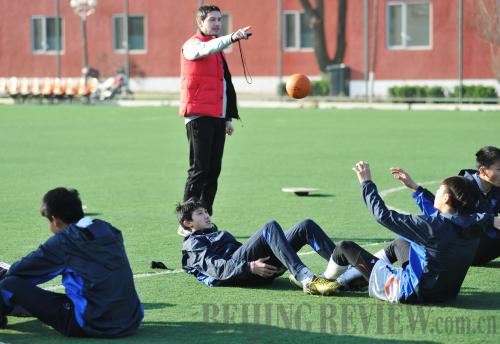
(123, 50)
(44, 50)
(297, 47)
(404, 25)
(229, 29)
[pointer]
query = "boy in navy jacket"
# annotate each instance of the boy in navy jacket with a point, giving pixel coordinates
(100, 298)
(486, 188)
(485, 182)
(442, 245)
(217, 258)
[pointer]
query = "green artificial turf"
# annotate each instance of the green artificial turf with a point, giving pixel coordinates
(129, 165)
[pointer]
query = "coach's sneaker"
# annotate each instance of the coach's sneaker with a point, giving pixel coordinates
(182, 231)
(321, 286)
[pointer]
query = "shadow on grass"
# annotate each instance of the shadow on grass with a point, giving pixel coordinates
(283, 284)
(317, 195)
(470, 299)
(155, 305)
(201, 332)
(247, 333)
(495, 264)
(93, 214)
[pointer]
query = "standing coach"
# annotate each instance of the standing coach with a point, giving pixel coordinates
(208, 103)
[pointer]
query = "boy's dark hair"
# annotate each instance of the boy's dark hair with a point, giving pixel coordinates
(204, 10)
(185, 210)
(63, 203)
(487, 156)
(463, 194)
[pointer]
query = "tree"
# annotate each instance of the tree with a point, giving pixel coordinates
(315, 19)
(487, 24)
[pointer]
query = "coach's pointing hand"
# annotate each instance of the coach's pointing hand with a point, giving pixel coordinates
(241, 34)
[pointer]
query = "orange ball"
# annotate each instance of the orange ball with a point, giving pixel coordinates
(298, 86)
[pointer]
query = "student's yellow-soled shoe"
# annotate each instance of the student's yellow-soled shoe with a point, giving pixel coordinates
(294, 281)
(322, 286)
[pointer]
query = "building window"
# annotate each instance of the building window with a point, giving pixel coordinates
(46, 34)
(297, 33)
(136, 36)
(225, 28)
(408, 25)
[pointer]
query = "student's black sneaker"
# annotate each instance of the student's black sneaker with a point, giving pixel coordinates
(359, 284)
(3, 316)
(3, 321)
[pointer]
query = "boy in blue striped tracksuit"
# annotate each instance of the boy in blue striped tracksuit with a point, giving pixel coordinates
(216, 258)
(486, 188)
(100, 298)
(441, 246)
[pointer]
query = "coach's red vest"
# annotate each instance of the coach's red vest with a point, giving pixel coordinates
(202, 84)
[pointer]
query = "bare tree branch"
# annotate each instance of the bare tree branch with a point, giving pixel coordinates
(315, 18)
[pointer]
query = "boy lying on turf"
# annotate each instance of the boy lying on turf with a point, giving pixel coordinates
(100, 298)
(442, 245)
(217, 258)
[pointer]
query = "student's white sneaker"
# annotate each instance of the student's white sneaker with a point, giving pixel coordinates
(182, 231)
(4, 267)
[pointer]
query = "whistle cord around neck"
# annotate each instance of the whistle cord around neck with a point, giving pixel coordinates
(246, 72)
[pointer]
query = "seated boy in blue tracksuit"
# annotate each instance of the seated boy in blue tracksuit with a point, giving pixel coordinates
(100, 299)
(217, 258)
(486, 188)
(442, 245)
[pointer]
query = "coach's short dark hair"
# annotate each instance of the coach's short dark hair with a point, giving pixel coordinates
(463, 194)
(204, 10)
(63, 203)
(185, 210)
(487, 156)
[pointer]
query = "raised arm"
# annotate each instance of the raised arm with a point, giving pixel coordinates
(195, 49)
(411, 227)
(423, 197)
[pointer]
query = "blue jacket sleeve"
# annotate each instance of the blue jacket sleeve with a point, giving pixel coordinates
(41, 265)
(411, 227)
(425, 201)
(196, 255)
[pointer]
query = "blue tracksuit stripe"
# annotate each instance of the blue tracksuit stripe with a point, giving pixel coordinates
(6, 296)
(315, 246)
(74, 289)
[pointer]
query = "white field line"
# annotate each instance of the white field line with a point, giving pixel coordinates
(176, 271)
(400, 188)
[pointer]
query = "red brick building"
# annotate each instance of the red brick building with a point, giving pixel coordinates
(409, 41)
